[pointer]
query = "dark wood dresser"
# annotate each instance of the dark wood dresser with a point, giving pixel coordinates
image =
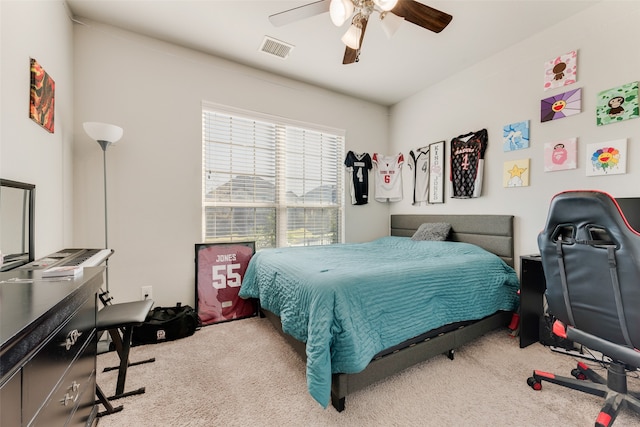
(48, 348)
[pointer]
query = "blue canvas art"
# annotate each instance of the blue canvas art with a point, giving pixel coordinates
(515, 136)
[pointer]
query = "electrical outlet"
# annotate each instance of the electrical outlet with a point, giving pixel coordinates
(146, 292)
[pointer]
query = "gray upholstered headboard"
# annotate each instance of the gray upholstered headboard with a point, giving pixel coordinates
(491, 232)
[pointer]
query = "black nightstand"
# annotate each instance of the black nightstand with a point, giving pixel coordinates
(532, 288)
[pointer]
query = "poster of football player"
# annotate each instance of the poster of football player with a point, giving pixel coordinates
(220, 268)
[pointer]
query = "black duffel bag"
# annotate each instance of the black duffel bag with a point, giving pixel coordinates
(166, 324)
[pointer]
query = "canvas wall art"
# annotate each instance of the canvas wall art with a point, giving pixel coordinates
(42, 97)
(516, 173)
(560, 106)
(606, 158)
(617, 104)
(515, 136)
(561, 71)
(560, 155)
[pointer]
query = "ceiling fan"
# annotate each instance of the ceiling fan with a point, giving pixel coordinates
(392, 14)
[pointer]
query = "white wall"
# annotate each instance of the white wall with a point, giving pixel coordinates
(155, 91)
(28, 153)
(507, 88)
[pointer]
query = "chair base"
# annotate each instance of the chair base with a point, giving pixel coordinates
(613, 388)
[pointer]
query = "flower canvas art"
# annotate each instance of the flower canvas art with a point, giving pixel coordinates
(606, 158)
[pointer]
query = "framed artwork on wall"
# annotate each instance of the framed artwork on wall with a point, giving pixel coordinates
(220, 268)
(561, 155)
(617, 104)
(41, 97)
(561, 70)
(606, 158)
(436, 172)
(560, 106)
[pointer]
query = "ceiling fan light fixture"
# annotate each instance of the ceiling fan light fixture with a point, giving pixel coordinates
(386, 5)
(390, 23)
(352, 37)
(340, 11)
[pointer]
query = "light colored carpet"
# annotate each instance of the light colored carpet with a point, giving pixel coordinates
(243, 373)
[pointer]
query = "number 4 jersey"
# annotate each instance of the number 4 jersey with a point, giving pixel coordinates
(467, 164)
(358, 165)
(388, 177)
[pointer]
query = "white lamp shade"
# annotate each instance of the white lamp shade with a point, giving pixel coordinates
(340, 11)
(352, 37)
(386, 5)
(390, 23)
(103, 131)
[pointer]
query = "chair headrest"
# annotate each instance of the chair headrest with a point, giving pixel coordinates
(582, 209)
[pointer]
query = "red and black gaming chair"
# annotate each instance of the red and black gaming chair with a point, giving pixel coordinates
(591, 261)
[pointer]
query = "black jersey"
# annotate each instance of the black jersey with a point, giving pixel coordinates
(467, 164)
(358, 165)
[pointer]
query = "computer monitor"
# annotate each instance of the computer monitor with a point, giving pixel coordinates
(630, 207)
(17, 223)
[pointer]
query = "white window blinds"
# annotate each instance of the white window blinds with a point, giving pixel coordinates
(269, 181)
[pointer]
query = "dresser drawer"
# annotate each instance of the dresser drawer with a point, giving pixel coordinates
(76, 390)
(43, 372)
(10, 414)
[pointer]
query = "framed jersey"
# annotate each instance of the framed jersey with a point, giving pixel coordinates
(220, 268)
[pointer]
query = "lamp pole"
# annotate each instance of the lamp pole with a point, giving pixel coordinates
(105, 134)
(104, 145)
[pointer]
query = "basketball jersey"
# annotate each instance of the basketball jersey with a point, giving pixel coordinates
(467, 164)
(419, 163)
(358, 165)
(388, 177)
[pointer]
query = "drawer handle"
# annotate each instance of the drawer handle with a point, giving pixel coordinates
(72, 394)
(72, 339)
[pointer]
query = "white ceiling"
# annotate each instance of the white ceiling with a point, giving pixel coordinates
(388, 70)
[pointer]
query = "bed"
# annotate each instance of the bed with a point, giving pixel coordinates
(356, 322)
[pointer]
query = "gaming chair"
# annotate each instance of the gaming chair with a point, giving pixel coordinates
(591, 261)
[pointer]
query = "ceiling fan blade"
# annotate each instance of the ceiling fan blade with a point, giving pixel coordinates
(422, 15)
(300, 12)
(351, 55)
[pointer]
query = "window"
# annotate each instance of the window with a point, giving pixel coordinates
(270, 180)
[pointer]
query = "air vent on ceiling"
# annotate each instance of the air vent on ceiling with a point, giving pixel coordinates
(275, 47)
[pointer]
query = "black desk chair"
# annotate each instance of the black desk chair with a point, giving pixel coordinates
(119, 320)
(591, 261)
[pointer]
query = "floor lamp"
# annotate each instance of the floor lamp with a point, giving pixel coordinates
(105, 134)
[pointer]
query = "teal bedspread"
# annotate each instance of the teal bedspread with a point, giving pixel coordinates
(348, 302)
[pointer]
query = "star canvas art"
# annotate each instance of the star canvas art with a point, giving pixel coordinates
(516, 173)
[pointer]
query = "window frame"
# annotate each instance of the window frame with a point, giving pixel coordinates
(280, 205)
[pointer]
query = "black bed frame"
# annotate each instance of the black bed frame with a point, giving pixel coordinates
(491, 232)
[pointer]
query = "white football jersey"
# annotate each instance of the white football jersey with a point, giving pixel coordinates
(388, 177)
